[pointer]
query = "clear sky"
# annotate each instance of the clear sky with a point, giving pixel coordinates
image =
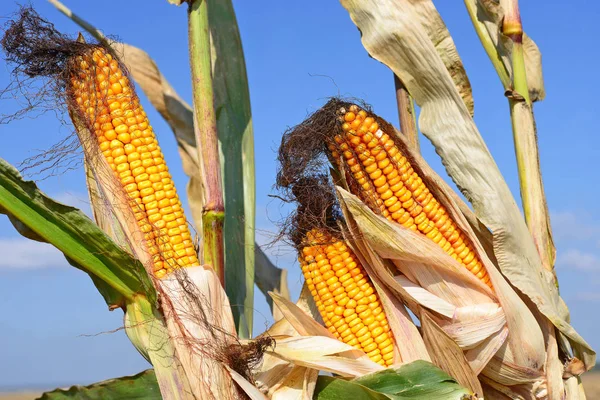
(54, 326)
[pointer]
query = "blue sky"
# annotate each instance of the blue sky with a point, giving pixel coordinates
(55, 328)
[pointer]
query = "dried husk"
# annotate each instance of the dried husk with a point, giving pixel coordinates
(200, 325)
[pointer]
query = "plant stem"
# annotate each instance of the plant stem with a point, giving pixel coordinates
(533, 196)
(205, 130)
(406, 113)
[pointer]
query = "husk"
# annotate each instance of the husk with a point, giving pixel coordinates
(280, 378)
(425, 298)
(200, 325)
(325, 354)
(248, 388)
(409, 345)
(447, 355)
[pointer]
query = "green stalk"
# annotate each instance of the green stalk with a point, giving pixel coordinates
(406, 114)
(205, 130)
(533, 196)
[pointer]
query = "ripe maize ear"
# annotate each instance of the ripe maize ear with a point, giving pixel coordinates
(345, 297)
(104, 96)
(386, 181)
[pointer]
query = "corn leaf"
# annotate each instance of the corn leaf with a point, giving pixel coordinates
(270, 278)
(139, 386)
(234, 123)
(68, 229)
(416, 380)
(390, 34)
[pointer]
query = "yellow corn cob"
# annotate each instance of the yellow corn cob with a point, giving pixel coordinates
(345, 297)
(105, 97)
(388, 183)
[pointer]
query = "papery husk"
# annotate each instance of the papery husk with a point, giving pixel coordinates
(409, 345)
(390, 35)
(184, 296)
(447, 354)
(315, 346)
(444, 277)
(200, 324)
(426, 298)
(324, 354)
(249, 389)
(277, 377)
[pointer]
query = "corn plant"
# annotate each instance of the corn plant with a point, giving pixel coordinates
(380, 237)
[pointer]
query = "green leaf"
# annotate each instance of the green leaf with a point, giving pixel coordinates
(417, 380)
(234, 123)
(329, 388)
(140, 386)
(116, 274)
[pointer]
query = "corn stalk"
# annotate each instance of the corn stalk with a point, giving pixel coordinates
(205, 129)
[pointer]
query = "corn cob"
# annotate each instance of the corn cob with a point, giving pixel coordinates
(345, 297)
(388, 184)
(106, 99)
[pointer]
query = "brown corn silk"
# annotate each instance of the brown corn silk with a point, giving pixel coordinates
(382, 176)
(345, 296)
(102, 95)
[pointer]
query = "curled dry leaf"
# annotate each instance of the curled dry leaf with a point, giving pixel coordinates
(427, 15)
(325, 354)
(407, 50)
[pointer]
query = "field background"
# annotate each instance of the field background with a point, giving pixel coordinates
(591, 383)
